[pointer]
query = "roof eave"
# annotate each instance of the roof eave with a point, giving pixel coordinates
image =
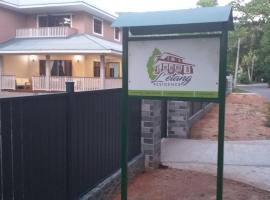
(177, 26)
(21, 8)
(29, 52)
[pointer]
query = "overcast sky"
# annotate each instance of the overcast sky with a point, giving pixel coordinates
(147, 5)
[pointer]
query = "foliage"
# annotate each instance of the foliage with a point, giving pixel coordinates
(267, 75)
(265, 53)
(150, 63)
(267, 123)
(207, 3)
(238, 90)
(252, 26)
(244, 78)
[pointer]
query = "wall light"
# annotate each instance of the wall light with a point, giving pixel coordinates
(78, 58)
(33, 58)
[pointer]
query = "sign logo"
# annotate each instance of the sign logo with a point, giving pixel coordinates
(167, 69)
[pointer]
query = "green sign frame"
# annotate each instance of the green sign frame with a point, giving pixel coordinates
(202, 25)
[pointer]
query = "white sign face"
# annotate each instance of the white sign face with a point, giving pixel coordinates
(174, 67)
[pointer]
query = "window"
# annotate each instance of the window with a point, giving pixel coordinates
(57, 68)
(96, 69)
(117, 34)
(97, 26)
(54, 20)
(42, 68)
(113, 70)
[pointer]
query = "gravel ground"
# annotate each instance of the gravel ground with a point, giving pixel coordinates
(174, 184)
(245, 119)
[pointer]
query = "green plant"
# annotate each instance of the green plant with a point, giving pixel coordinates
(267, 123)
(244, 78)
(267, 75)
(150, 63)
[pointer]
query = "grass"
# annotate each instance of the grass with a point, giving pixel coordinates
(237, 90)
(267, 123)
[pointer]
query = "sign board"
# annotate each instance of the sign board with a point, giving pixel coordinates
(174, 67)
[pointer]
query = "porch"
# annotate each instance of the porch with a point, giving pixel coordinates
(45, 64)
(58, 83)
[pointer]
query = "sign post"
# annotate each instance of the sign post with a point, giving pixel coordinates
(175, 55)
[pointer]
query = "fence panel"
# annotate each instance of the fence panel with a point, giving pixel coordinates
(33, 132)
(62, 145)
(95, 137)
(134, 128)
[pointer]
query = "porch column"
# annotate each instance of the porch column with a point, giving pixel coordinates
(102, 71)
(1, 71)
(48, 73)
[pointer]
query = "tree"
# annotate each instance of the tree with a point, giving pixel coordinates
(251, 22)
(264, 53)
(207, 3)
(248, 62)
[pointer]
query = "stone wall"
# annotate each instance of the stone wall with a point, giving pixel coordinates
(151, 132)
(106, 189)
(178, 114)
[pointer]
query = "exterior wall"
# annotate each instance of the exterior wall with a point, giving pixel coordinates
(31, 21)
(9, 22)
(23, 67)
(18, 66)
(84, 23)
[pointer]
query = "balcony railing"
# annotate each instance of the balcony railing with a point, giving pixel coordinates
(45, 32)
(58, 83)
(8, 82)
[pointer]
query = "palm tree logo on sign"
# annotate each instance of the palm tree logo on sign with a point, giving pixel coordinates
(168, 69)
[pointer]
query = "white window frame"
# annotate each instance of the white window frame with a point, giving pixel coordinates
(96, 18)
(57, 14)
(115, 35)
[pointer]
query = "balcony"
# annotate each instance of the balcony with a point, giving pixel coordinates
(45, 32)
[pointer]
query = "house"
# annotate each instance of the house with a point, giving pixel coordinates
(169, 63)
(43, 45)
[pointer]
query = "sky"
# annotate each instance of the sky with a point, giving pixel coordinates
(115, 6)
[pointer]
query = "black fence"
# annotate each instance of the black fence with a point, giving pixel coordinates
(60, 146)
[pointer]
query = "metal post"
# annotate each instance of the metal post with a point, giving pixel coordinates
(221, 119)
(102, 71)
(48, 73)
(69, 86)
(1, 71)
(124, 124)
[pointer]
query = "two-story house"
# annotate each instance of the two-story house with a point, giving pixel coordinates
(43, 45)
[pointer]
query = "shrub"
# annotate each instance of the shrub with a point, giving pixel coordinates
(244, 78)
(267, 75)
(267, 123)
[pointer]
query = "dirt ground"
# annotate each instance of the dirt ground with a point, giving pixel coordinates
(245, 119)
(175, 184)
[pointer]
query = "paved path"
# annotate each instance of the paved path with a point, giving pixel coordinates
(261, 89)
(245, 161)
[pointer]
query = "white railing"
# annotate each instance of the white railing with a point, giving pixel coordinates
(113, 83)
(8, 82)
(38, 83)
(58, 83)
(45, 32)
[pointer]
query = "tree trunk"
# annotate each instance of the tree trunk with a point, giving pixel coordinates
(249, 74)
(237, 63)
(252, 68)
